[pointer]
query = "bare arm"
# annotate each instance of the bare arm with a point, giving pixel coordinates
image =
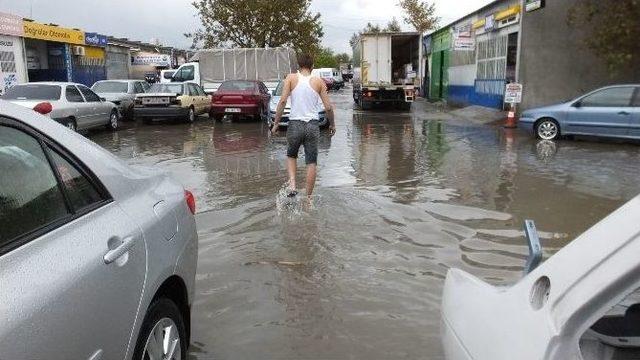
(328, 107)
(282, 103)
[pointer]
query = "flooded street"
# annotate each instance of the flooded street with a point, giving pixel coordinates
(401, 198)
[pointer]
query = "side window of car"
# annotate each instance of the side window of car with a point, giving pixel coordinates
(81, 192)
(137, 88)
(89, 95)
(193, 90)
(30, 196)
(612, 97)
(72, 94)
(636, 99)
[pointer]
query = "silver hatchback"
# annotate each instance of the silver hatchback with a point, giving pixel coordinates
(98, 258)
(73, 105)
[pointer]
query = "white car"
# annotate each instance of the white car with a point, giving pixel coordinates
(73, 105)
(575, 305)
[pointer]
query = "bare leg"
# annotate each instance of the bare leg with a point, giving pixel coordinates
(292, 166)
(311, 179)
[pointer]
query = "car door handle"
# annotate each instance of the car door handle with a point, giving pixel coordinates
(623, 113)
(120, 249)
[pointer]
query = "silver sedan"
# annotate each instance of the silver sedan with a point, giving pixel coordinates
(122, 93)
(98, 258)
(73, 105)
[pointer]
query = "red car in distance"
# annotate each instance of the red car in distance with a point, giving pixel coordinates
(241, 98)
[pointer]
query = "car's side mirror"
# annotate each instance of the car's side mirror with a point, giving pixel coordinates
(577, 104)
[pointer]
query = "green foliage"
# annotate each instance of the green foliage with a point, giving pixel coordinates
(393, 26)
(420, 14)
(257, 23)
(325, 58)
(612, 28)
(343, 58)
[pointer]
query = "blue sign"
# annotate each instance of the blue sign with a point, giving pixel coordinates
(95, 39)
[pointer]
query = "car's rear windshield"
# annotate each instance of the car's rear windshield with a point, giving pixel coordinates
(166, 88)
(279, 89)
(238, 85)
(32, 92)
(110, 87)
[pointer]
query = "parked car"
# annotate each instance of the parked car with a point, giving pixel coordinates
(241, 98)
(326, 74)
(95, 255)
(284, 121)
(612, 111)
(120, 92)
(172, 101)
(338, 81)
(563, 308)
(73, 105)
(166, 76)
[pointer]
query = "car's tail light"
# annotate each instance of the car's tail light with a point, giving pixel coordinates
(368, 94)
(43, 108)
(191, 201)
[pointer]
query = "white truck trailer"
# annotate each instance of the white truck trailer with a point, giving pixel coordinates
(210, 68)
(388, 67)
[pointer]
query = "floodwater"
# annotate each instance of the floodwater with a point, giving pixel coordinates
(401, 198)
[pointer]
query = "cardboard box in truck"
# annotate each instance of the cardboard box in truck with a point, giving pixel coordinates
(387, 69)
(211, 67)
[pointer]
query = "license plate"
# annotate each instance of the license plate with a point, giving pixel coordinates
(232, 110)
(153, 100)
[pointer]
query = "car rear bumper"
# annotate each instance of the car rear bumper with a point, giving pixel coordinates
(160, 112)
(245, 109)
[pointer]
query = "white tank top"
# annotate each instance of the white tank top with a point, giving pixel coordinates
(305, 102)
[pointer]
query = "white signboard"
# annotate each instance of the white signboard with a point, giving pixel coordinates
(12, 69)
(151, 59)
(463, 39)
(513, 93)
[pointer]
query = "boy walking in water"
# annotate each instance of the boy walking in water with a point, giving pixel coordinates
(307, 94)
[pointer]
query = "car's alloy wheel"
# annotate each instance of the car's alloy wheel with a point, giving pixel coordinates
(113, 121)
(192, 115)
(163, 342)
(548, 130)
(70, 124)
(163, 334)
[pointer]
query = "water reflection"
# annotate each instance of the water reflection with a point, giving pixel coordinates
(402, 197)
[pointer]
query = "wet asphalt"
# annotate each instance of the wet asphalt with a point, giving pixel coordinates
(401, 198)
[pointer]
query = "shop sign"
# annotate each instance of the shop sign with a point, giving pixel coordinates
(10, 66)
(463, 39)
(489, 23)
(513, 93)
(531, 5)
(36, 30)
(95, 39)
(151, 59)
(11, 24)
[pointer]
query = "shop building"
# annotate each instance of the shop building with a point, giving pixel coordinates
(118, 61)
(49, 50)
(473, 58)
(555, 63)
(89, 61)
(12, 58)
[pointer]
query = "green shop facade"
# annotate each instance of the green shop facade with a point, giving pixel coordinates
(439, 59)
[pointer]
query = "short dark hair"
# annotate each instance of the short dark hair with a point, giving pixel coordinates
(305, 61)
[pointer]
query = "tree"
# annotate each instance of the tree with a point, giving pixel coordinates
(343, 58)
(612, 30)
(325, 58)
(419, 14)
(393, 25)
(257, 23)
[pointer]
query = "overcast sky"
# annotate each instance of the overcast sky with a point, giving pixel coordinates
(168, 20)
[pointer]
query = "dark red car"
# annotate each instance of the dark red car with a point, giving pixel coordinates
(241, 98)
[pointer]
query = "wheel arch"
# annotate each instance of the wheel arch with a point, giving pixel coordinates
(175, 289)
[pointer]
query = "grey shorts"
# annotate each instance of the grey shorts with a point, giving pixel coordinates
(305, 134)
